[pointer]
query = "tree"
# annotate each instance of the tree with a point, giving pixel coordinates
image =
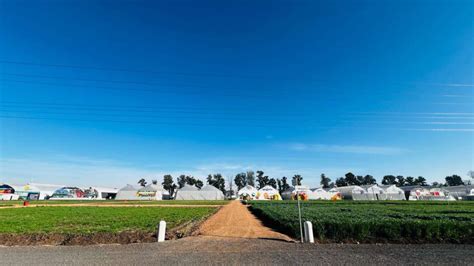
(283, 184)
(435, 184)
(389, 180)
(251, 178)
(217, 181)
(360, 180)
(168, 184)
(400, 181)
(199, 184)
(470, 174)
(351, 179)
(142, 182)
(410, 180)
(369, 180)
(420, 181)
(154, 181)
(341, 182)
(296, 180)
(272, 182)
(181, 181)
(454, 180)
(262, 179)
(240, 180)
(325, 181)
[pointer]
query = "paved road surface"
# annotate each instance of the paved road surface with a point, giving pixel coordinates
(204, 250)
(235, 220)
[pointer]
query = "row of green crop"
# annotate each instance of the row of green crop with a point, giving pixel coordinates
(369, 222)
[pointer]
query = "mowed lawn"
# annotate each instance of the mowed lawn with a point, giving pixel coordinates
(119, 202)
(88, 220)
(385, 221)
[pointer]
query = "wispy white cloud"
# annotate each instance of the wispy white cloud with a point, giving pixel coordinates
(440, 129)
(359, 149)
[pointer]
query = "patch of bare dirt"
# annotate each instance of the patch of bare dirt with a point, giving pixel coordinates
(235, 220)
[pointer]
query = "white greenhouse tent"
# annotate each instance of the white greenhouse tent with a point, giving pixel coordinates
(353, 193)
(290, 194)
(188, 193)
(7, 192)
(320, 194)
(268, 193)
(247, 192)
(335, 194)
(45, 191)
(151, 192)
(392, 192)
(374, 192)
(210, 192)
(128, 192)
(463, 192)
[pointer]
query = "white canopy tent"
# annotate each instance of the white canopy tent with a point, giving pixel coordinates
(268, 193)
(247, 192)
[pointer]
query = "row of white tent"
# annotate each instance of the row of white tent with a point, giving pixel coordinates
(156, 192)
(36, 191)
(370, 192)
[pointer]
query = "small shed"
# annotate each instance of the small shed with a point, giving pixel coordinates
(392, 192)
(248, 192)
(268, 193)
(210, 192)
(128, 192)
(353, 193)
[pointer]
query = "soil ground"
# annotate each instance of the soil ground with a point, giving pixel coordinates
(205, 250)
(235, 220)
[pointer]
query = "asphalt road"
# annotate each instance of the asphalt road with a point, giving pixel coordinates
(237, 251)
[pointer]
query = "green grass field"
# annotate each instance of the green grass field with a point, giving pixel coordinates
(88, 220)
(144, 202)
(383, 221)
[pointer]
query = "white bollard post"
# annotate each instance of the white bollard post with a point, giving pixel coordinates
(308, 232)
(161, 231)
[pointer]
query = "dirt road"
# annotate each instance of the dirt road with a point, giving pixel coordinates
(235, 220)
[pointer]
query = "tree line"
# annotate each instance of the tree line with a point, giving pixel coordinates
(350, 179)
(259, 180)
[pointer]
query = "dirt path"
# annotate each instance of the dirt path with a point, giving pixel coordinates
(235, 220)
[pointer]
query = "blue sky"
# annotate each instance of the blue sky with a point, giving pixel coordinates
(107, 92)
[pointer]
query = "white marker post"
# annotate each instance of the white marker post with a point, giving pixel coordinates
(308, 232)
(298, 189)
(161, 231)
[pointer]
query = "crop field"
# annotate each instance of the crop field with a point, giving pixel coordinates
(89, 220)
(118, 202)
(369, 222)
